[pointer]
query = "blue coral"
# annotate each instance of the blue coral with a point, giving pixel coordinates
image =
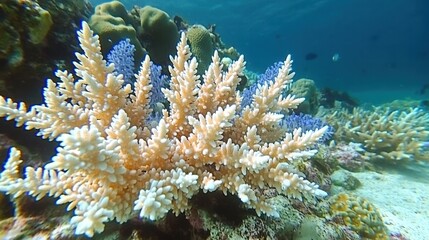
(306, 123)
(158, 81)
(269, 75)
(122, 55)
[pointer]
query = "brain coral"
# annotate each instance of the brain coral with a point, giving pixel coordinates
(359, 215)
(307, 89)
(201, 45)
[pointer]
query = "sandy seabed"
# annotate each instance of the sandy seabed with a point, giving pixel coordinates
(402, 196)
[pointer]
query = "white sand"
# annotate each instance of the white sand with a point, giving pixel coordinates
(402, 196)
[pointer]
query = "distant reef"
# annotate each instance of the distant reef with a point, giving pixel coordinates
(37, 38)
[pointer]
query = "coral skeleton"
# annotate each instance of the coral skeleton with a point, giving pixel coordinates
(114, 162)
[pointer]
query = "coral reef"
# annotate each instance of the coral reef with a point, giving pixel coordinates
(112, 23)
(110, 165)
(358, 214)
(152, 30)
(345, 180)
(40, 27)
(385, 134)
(254, 80)
(306, 88)
(220, 218)
(307, 122)
(158, 81)
(32, 32)
(122, 55)
(350, 156)
(201, 45)
(158, 32)
(315, 228)
(35, 25)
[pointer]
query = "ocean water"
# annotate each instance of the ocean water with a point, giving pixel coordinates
(382, 45)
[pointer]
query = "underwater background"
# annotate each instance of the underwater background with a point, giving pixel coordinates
(382, 46)
(110, 130)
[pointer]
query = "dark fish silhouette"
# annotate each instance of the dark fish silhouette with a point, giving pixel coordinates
(310, 56)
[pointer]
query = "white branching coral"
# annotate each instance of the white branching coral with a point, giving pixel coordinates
(112, 164)
(384, 133)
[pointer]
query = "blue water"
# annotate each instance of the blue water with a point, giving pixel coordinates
(383, 45)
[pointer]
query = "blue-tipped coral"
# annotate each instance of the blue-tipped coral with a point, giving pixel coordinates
(158, 81)
(266, 77)
(307, 123)
(122, 55)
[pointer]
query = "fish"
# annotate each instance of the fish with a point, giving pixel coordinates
(310, 56)
(335, 57)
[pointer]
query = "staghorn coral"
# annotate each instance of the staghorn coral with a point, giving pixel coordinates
(111, 166)
(256, 80)
(122, 55)
(307, 122)
(395, 135)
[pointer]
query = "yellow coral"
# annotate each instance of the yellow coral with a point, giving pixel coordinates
(358, 214)
(110, 165)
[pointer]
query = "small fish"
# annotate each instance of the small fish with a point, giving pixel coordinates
(311, 56)
(336, 57)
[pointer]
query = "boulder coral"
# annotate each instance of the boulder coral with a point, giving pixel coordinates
(113, 24)
(307, 89)
(158, 33)
(201, 46)
(41, 25)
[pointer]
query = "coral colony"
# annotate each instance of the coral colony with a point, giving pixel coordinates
(112, 163)
(122, 56)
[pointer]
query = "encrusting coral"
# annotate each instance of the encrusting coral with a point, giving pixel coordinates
(110, 165)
